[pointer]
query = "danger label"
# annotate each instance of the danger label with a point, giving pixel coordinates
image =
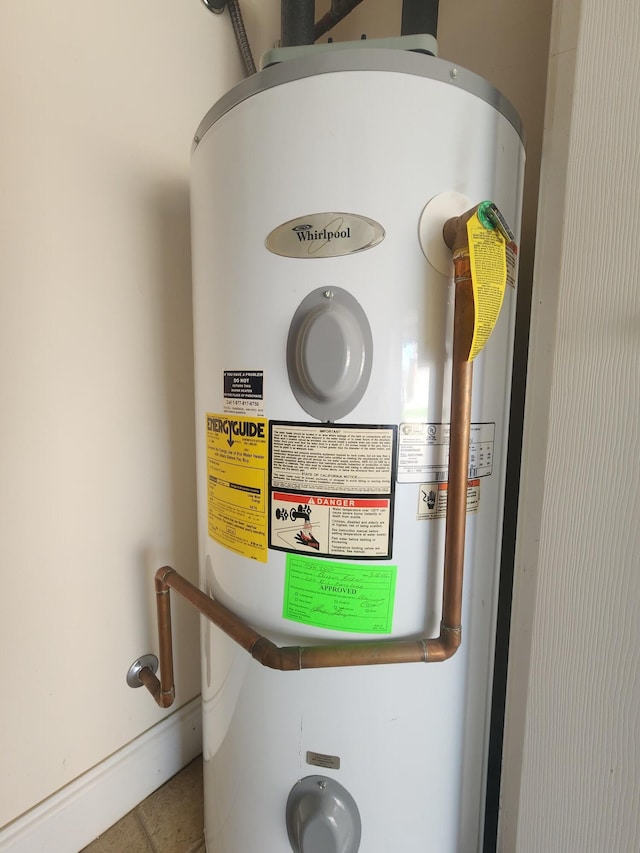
(333, 501)
(331, 526)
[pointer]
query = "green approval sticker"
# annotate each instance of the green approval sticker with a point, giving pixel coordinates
(339, 596)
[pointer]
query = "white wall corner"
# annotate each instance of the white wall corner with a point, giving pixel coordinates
(82, 810)
(542, 350)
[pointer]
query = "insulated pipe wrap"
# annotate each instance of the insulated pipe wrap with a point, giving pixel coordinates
(419, 17)
(298, 22)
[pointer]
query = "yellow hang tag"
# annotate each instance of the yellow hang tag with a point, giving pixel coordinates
(488, 257)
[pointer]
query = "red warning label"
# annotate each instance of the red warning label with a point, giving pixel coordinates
(330, 525)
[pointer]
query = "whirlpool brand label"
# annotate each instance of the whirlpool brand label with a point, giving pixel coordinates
(324, 235)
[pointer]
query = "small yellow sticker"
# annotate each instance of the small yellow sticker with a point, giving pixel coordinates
(488, 256)
(237, 483)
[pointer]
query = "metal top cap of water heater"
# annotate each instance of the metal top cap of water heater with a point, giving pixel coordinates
(376, 59)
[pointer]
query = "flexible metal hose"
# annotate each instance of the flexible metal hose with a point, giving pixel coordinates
(241, 37)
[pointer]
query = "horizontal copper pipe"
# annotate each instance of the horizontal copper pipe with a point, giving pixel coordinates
(426, 650)
(296, 657)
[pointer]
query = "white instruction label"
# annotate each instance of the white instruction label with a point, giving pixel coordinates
(423, 452)
(339, 460)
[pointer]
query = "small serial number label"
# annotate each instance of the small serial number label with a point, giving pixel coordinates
(319, 759)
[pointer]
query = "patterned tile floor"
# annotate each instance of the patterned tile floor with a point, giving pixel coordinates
(169, 821)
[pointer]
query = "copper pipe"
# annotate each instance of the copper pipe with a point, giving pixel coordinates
(460, 424)
(428, 650)
(217, 613)
(162, 698)
(165, 690)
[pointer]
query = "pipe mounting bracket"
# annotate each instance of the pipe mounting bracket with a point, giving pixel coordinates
(145, 662)
(216, 6)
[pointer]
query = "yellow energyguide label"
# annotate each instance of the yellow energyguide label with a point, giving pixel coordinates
(488, 257)
(237, 461)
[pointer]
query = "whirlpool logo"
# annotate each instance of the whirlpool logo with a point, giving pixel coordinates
(334, 231)
(325, 235)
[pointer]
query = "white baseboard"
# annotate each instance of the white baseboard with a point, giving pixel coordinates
(70, 819)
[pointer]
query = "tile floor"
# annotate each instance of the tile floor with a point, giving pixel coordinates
(169, 821)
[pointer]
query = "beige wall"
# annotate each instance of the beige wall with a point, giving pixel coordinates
(572, 763)
(97, 453)
(96, 378)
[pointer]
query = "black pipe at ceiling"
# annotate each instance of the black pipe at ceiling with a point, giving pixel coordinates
(339, 10)
(298, 22)
(419, 17)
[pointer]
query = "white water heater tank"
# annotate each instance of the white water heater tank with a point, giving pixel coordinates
(323, 325)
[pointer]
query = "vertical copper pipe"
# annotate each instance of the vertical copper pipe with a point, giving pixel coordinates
(460, 428)
(164, 692)
(457, 492)
(447, 643)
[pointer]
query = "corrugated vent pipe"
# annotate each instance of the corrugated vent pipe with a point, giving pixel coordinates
(419, 17)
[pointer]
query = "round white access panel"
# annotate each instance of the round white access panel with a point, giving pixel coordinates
(329, 353)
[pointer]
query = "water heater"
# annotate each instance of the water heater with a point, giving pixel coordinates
(323, 312)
